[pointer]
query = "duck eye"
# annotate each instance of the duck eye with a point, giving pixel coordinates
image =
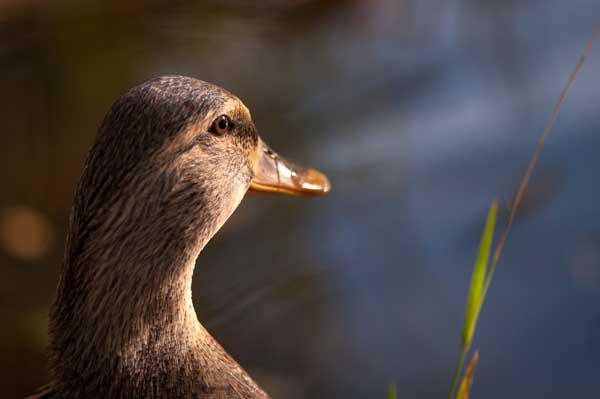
(221, 125)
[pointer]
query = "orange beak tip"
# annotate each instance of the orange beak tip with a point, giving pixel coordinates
(277, 175)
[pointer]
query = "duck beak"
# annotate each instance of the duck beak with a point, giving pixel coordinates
(277, 175)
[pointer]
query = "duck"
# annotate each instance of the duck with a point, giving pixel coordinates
(172, 160)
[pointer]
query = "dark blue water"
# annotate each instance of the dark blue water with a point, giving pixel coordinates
(421, 113)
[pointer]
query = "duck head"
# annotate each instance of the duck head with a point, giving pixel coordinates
(197, 135)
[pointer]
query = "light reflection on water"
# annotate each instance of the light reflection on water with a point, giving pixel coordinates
(419, 112)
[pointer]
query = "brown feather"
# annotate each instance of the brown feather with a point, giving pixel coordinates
(156, 186)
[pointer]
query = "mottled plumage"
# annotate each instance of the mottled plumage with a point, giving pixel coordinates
(157, 185)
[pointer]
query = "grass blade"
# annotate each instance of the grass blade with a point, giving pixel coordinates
(391, 394)
(475, 298)
(477, 292)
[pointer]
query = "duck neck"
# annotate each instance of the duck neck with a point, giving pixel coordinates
(124, 302)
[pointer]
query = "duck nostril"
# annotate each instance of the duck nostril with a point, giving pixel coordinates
(271, 153)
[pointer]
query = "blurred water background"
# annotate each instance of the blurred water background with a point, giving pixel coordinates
(421, 112)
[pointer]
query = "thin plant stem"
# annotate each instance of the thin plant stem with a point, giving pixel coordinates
(519, 195)
(534, 160)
